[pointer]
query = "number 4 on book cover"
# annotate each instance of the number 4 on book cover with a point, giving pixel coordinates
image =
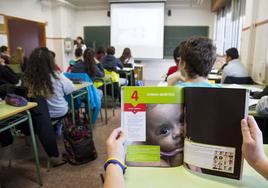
(195, 127)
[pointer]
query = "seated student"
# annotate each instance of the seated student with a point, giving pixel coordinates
(174, 74)
(126, 58)
(7, 76)
(176, 57)
(41, 79)
(233, 68)
(110, 62)
(78, 58)
(4, 54)
(100, 53)
(252, 147)
(56, 67)
(88, 66)
(198, 56)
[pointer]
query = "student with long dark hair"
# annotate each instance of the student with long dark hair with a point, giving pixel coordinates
(42, 80)
(80, 43)
(126, 58)
(89, 65)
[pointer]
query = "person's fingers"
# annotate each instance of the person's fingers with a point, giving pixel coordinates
(113, 136)
(253, 126)
(122, 137)
(245, 131)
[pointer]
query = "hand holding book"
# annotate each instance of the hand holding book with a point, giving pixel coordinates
(252, 147)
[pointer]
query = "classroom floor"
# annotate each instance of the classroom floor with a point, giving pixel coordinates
(22, 174)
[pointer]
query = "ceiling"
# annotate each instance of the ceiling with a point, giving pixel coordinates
(104, 4)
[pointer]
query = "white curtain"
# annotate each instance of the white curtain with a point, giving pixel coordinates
(229, 25)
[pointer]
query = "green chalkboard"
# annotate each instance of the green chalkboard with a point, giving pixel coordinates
(174, 35)
(96, 36)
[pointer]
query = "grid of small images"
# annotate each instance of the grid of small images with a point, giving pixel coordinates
(223, 161)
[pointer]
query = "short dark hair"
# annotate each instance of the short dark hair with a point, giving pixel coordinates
(177, 51)
(78, 52)
(110, 50)
(3, 48)
(199, 55)
(232, 52)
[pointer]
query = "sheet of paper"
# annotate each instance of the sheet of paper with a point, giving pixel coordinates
(3, 40)
(135, 122)
(252, 102)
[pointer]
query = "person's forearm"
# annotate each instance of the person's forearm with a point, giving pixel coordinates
(114, 177)
(262, 167)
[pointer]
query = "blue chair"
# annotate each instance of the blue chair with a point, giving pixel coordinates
(94, 97)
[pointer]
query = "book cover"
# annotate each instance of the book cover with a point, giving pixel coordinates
(171, 126)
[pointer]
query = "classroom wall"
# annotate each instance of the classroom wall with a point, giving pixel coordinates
(179, 17)
(254, 44)
(59, 20)
(153, 69)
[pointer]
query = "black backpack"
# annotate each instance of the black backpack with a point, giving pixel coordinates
(78, 142)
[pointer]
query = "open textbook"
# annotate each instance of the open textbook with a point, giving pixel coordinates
(195, 127)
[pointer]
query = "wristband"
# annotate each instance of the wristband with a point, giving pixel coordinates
(117, 162)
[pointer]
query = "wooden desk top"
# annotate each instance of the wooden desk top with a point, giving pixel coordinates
(83, 85)
(7, 111)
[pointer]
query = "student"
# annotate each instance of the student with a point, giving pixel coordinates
(4, 53)
(56, 67)
(19, 58)
(165, 128)
(233, 68)
(176, 57)
(126, 58)
(110, 62)
(252, 147)
(42, 80)
(78, 58)
(100, 53)
(174, 74)
(7, 76)
(80, 44)
(198, 55)
(114, 177)
(89, 65)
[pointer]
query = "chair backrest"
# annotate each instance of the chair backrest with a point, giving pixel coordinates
(238, 80)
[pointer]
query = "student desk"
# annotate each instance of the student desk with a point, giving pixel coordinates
(215, 77)
(144, 177)
(128, 72)
(11, 116)
(80, 90)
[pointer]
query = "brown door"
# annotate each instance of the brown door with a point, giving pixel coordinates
(26, 34)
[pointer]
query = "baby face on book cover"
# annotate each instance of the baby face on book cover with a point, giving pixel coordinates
(164, 127)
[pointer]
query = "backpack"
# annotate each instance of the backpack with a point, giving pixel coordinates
(78, 142)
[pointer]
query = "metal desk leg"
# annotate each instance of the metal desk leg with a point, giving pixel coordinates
(89, 109)
(73, 110)
(37, 163)
(113, 96)
(105, 103)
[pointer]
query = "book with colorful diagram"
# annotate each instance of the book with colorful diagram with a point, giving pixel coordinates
(195, 127)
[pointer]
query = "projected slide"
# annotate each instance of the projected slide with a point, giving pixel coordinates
(139, 26)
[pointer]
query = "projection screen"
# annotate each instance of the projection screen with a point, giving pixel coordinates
(138, 26)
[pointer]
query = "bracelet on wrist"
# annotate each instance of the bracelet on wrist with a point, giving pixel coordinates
(116, 162)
